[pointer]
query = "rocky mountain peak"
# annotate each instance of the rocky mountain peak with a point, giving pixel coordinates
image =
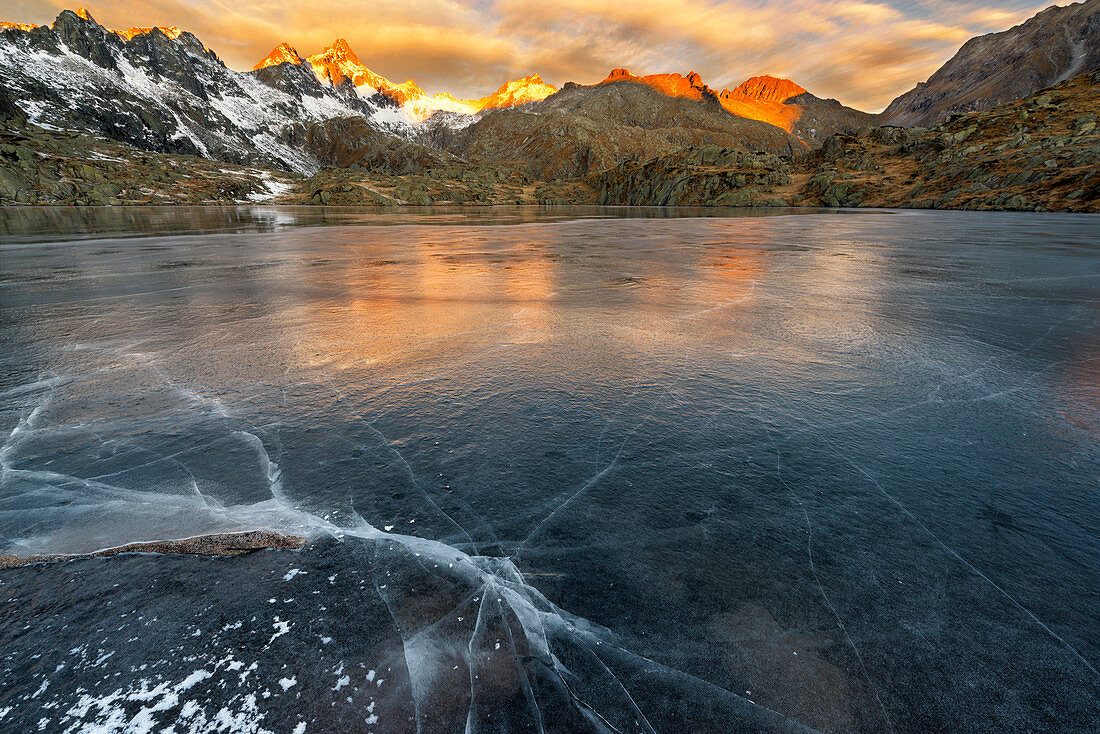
(339, 66)
(86, 38)
(766, 88)
(530, 88)
(769, 99)
(160, 89)
(284, 53)
(673, 85)
(68, 21)
(342, 49)
(171, 31)
(338, 62)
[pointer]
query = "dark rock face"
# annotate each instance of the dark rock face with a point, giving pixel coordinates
(86, 38)
(170, 59)
(705, 176)
(821, 118)
(167, 94)
(1055, 45)
(9, 111)
(351, 141)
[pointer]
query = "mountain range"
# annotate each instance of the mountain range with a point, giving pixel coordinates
(338, 65)
(160, 89)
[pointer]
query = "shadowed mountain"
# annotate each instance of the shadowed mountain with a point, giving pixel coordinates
(1055, 45)
(582, 129)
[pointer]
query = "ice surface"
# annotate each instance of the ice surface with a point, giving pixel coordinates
(823, 471)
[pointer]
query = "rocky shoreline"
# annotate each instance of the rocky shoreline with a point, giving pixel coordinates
(219, 544)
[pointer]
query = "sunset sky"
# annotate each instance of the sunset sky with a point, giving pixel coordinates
(863, 53)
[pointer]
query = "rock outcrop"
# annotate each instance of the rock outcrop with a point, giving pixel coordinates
(65, 167)
(219, 544)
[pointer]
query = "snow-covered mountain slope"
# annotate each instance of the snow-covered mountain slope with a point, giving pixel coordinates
(165, 91)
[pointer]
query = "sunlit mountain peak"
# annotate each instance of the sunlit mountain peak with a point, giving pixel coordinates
(338, 64)
(766, 88)
(284, 53)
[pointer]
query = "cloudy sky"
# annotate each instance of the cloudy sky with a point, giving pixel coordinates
(862, 53)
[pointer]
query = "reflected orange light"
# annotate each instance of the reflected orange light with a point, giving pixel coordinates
(432, 300)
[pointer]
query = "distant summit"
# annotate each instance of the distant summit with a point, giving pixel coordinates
(674, 85)
(521, 91)
(765, 89)
(284, 53)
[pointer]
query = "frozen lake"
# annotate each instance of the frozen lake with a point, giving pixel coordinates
(562, 470)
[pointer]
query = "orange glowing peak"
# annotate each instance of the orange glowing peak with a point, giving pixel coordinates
(764, 98)
(284, 53)
(170, 31)
(520, 91)
(673, 85)
(765, 88)
(338, 64)
(5, 25)
(759, 98)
